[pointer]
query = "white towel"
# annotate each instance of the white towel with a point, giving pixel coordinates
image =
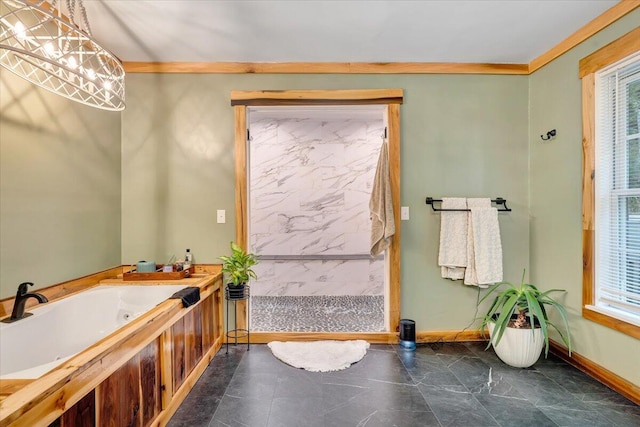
(381, 205)
(484, 248)
(452, 257)
(470, 275)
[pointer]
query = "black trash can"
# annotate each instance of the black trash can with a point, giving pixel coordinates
(408, 334)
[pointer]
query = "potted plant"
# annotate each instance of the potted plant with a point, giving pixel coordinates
(237, 270)
(518, 322)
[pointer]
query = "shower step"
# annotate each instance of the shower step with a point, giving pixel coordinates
(318, 313)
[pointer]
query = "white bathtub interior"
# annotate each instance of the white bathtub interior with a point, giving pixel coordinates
(60, 329)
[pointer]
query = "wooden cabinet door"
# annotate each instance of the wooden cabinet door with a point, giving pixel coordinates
(177, 353)
(131, 397)
(193, 338)
(150, 386)
(82, 414)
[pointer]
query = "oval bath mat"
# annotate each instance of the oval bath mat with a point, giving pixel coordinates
(319, 356)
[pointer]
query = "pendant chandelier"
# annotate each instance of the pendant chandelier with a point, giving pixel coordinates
(45, 46)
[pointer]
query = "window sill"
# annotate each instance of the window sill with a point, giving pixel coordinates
(627, 328)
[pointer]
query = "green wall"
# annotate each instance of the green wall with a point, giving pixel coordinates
(59, 187)
(82, 190)
(462, 135)
(556, 199)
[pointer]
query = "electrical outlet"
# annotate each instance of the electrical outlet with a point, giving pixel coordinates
(404, 213)
(221, 216)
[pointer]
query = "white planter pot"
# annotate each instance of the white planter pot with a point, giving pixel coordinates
(519, 348)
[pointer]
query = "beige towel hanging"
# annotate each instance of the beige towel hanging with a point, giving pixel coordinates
(452, 257)
(484, 249)
(381, 205)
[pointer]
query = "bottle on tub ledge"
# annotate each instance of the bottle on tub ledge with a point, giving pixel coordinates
(188, 259)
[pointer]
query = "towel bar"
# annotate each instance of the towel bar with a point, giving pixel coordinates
(497, 201)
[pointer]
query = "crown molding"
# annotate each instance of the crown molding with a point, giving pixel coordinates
(324, 68)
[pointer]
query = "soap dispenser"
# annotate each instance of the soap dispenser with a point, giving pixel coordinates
(188, 259)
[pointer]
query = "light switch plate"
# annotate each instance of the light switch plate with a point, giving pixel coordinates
(221, 216)
(404, 213)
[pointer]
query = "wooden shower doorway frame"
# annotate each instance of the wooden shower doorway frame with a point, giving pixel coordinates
(391, 98)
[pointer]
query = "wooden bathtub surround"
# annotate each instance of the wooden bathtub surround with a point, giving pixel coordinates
(137, 376)
(8, 387)
(109, 276)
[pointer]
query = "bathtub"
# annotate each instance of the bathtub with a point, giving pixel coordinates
(60, 329)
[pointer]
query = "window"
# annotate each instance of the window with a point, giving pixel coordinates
(617, 190)
(611, 184)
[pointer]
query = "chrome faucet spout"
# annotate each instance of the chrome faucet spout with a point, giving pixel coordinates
(21, 299)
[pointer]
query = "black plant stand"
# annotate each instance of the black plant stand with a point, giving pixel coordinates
(234, 298)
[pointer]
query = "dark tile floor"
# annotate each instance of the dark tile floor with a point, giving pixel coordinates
(437, 385)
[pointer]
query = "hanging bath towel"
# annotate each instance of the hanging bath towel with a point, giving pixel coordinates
(381, 205)
(452, 257)
(484, 249)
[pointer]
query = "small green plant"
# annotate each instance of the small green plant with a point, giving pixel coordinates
(237, 267)
(528, 303)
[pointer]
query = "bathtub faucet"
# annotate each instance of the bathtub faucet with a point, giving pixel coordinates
(21, 298)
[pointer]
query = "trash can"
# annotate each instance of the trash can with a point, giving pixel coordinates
(408, 334)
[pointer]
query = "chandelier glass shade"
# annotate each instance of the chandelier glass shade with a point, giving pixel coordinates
(46, 47)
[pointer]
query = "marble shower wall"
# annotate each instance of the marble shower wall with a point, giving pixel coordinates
(310, 183)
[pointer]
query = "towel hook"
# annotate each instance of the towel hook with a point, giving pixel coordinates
(550, 134)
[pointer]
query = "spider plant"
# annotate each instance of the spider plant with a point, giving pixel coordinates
(529, 304)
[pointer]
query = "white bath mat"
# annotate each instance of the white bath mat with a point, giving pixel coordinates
(319, 356)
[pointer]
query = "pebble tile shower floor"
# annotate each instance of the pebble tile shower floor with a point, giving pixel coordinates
(457, 384)
(345, 313)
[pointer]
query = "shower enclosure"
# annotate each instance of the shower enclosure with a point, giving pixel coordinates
(310, 173)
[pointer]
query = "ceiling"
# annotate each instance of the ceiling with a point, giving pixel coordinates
(477, 31)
